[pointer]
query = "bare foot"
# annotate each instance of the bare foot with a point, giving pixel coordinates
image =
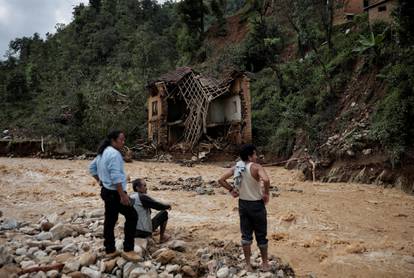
(265, 267)
(249, 268)
(165, 238)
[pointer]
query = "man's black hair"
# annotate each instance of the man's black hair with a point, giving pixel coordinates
(246, 151)
(136, 184)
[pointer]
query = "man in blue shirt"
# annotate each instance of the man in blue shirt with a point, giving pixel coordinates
(108, 169)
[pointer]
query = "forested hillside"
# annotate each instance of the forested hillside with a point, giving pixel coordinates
(332, 92)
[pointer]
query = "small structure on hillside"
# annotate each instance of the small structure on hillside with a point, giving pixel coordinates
(380, 10)
(345, 10)
(185, 107)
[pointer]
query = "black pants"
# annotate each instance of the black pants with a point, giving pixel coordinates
(157, 221)
(113, 207)
(253, 218)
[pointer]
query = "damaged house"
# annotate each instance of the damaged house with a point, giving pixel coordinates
(185, 108)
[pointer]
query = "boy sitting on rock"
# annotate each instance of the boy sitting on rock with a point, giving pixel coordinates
(143, 205)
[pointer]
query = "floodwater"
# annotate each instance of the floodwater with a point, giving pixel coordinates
(328, 230)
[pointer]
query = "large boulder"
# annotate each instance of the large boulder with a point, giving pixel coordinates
(60, 231)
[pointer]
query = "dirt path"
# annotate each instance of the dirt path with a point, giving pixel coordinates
(329, 230)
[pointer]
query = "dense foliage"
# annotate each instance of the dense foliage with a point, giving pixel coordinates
(90, 75)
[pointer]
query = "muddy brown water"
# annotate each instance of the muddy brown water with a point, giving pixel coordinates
(328, 230)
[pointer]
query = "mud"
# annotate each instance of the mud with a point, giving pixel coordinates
(328, 230)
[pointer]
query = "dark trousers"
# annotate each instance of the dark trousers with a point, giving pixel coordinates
(113, 207)
(253, 218)
(158, 219)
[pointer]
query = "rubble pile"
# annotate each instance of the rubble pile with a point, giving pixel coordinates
(196, 184)
(54, 247)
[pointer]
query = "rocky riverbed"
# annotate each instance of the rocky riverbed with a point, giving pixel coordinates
(51, 216)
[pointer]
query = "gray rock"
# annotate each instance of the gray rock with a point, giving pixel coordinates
(128, 267)
(172, 268)
(137, 272)
(52, 273)
(178, 276)
(27, 264)
(32, 250)
(280, 274)
(53, 218)
(39, 274)
(39, 254)
(141, 242)
(60, 231)
(8, 224)
(96, 213)
(165, 275)
(121, 262)
(178, 245)
(67, 241)
(70, 248)
(44, 236)
(367, 151)
(55, 247)
(91, 273)
(21, 251)
(223, 272)
(5, 256)
(266, 275)
(71, 266)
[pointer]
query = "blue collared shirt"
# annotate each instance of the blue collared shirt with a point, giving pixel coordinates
(109, 167)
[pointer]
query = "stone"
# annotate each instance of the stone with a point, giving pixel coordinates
(72, 248)
(21, 251)
(367, 151)
(27, 264)
(40, 253)
(53, 218)
(44, 236)
(280, 274)
(96, 213)
(39, 274)
(137, 272)
(141, 242)
(45, 225)
(60, 231)
(172, 268)
(71, 266)
(128, 267)
(108, 266)
(187, 270)
(159, 251)
(91, 273)
(350, 153)
(8, 224)
(178, 245)
(75, 274)
(120, 262)
(178, 276)
(67, 241)
(223, 272)
(87, 259)
(52, 273)
(63, 257)
(166, 256)
(32, 250)
(138, 250)
(165, 275)
(55, 247)
(266, 275)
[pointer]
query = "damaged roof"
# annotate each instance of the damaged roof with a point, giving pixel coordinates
(179, 73)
